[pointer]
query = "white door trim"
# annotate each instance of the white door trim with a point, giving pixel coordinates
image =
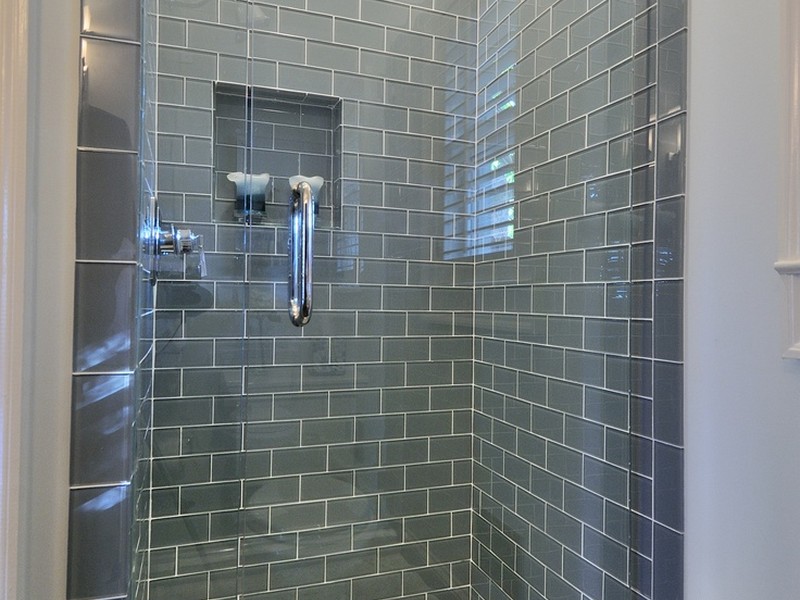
(13, 186)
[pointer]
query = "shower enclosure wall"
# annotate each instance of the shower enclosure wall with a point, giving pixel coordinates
(487, 400)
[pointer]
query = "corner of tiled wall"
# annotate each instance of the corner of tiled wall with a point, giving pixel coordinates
(578, 365)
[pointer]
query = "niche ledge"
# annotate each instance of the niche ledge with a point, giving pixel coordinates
(259, 130)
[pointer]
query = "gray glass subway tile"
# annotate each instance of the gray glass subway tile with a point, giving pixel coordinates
(567, 11)
(550, 176)
(272, 379)
(588, 164)
(210, 497)
(379, 586)
(439, 23)
(589, 27)
(582, 574)
(324, 541)
(607, 265)
(605, 479)
(353, 456)
(355, 33)
(644, 108)
(187, 63)
(535, 93)
(568, 139)
(225, 40)
(565, 331)
(377, 11)
(668, 402)
(404, 556)
(352, 564)
(667, 562)
(645, 30)
(671, 160)
(186, 586)
(453, 52)
(609, 122)
(273, 490)
(355, 297)
(605, 335)
(672, 16)
(101, 429)
(404, 451)
(327, 431)
(332, 56)
(297, 573)
(207, 556)
(261, 549)
(569, 73)
(585, 367)
(409, 95)
(611, 50)
(586, 232)
(306, 24)
(668, 319)
(383, 169)
(358, 87)
(210, 439)
(641, 261)
(107, 118)
(305, 79)
(325, 377)
(410, 146)
(588, 300)
(353, 510)
(327, 485)
(298, 460)
(271, 435)
(341, 8)
(107, 187)
(119, 19)
(204, 11)
(565, 463)
(623, 10)
(102, 340)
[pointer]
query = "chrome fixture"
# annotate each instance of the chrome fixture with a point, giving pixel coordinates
(302, 211)
(160, 238)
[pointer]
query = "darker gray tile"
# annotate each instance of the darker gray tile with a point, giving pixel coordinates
(103, 330)
(107, 206)
(100, 520)
(102, 419)
(296, 573)
(107, 118)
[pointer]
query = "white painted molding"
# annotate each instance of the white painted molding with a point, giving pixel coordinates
(788, 265)
(52, 126)
(13, 183)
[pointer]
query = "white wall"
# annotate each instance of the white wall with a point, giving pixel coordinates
(742, 399)
(38, 267)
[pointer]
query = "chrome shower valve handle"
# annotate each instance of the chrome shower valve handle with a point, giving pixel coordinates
(302, 212)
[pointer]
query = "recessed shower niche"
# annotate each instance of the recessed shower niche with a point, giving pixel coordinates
(261, 131)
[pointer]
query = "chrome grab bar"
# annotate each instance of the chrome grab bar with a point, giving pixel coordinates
(301, 250)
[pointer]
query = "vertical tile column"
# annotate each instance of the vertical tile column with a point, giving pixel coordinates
(105, 350)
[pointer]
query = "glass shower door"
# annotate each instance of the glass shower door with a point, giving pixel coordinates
(477, 404)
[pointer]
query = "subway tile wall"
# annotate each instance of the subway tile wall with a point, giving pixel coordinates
(578, 349)
(332, 461)
(350, 474)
